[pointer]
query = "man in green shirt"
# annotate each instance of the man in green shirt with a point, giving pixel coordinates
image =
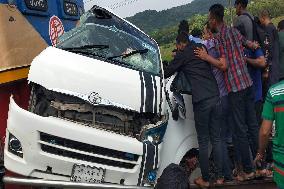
(273, 110)
(281, 48)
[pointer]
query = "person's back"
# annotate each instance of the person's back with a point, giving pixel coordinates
(200, 75)
(173, 177)
(244, 19)
(206, 104)
(237, 76)
(198, 72)
(281, 48)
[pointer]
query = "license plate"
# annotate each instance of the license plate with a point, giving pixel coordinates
(87, 174)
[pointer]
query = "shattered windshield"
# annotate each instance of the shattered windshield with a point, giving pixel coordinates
(104, 36)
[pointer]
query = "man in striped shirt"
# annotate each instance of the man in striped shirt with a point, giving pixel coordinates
(238, 83)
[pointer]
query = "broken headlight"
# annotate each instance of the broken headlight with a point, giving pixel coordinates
(15, 146)
(155, 132)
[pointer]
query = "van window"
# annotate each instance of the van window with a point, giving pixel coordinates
(103, 29)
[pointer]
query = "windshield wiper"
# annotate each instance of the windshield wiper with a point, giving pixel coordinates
(84, 52)
(142, 51)
(100, 47)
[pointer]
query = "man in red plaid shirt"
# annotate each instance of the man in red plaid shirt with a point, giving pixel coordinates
(238, 83)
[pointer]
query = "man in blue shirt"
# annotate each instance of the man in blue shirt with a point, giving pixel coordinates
(256, 62)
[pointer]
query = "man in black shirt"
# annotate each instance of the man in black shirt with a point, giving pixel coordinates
(272, 54)
(206, 103)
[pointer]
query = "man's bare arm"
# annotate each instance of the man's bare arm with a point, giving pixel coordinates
(258, 63)
(264, 135)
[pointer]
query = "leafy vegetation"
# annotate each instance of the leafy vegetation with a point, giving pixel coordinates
(166, 35)
(275, 7)
(151, 20)
(163, 25)
(166, 51)
(277, 20)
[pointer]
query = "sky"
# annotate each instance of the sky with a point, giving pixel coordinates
(125, 8)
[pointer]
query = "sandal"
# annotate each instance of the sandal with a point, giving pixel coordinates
(249, 176)
(219, 182)
(269, 173)
(240, 177)
(269, 170)
(201, 183)
(261, 173)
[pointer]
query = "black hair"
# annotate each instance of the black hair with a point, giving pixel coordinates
(183, 27)
(217, 11)
(244, 3)
(196, 32)
(165, 64)
(257, 20)
(182, 38)
(281, 25)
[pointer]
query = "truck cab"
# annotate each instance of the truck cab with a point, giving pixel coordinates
(40, 14)
(27, 28)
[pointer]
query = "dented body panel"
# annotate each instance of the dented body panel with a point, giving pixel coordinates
(94, 104)
(82, 76)
(36, 161)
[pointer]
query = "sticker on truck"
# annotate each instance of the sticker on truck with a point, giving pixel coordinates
(56, 29)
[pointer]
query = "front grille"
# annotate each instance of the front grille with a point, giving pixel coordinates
(74, 155)
(83, 147)
(48, 103)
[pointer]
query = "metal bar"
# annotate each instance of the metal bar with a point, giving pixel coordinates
(51, 183)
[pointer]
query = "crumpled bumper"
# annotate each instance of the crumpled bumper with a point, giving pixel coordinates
(37, 162)
(50, 183)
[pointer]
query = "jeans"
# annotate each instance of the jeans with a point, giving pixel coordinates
(207, 115)
(246, 127)
(226, 134)
(258, 111)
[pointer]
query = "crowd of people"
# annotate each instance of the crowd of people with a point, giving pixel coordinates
(231, 71)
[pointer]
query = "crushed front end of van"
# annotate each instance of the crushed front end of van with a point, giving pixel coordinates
(97, 108)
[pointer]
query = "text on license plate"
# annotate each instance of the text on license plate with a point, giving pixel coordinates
(87, 174)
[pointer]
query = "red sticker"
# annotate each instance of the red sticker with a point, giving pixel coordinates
(56, 29)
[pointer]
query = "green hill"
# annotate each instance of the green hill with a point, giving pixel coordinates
(165, 36)
(151, 20)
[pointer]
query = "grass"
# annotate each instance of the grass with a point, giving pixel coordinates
(166, 51)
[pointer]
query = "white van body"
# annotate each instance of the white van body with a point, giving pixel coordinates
(91, 114)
